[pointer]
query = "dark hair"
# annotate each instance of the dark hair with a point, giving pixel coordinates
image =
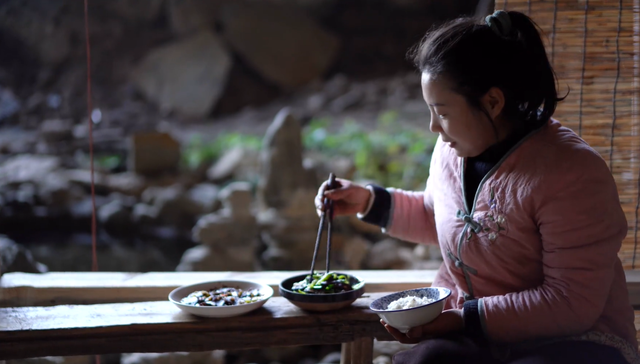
(477, 57)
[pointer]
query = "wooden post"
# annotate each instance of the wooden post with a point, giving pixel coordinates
(361, 351)
(345, 353)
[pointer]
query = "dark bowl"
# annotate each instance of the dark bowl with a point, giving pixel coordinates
(321, 302)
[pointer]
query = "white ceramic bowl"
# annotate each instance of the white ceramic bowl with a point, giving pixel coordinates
(225, 311)
(405, 319)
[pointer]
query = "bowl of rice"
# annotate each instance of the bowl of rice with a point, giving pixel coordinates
(406, 309)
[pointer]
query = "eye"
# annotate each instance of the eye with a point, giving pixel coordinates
(442, 116)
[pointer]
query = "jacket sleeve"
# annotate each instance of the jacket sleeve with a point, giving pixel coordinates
(581, 226)
(411, 217)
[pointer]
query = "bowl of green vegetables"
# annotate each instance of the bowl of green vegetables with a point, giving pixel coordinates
(322, 291)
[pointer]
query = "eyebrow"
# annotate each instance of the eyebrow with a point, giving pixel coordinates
(437, 104)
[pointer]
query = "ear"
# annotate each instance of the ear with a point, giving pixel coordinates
(493, 101)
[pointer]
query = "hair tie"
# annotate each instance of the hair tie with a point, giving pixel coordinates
(500, 23)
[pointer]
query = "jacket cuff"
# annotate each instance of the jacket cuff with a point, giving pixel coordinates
(471, 317)
(380, 209)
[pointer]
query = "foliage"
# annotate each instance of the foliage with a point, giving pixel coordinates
(390, 155)
(197, 152)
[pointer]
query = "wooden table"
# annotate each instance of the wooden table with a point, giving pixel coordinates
(160, 327)
(99, 313)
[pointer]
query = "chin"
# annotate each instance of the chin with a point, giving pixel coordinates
(459, 152)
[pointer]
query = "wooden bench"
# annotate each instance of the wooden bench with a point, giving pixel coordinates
(65, 314)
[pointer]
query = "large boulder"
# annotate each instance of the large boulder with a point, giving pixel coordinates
(187, 76)
(280, 41)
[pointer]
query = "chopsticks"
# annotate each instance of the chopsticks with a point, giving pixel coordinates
(328, 210)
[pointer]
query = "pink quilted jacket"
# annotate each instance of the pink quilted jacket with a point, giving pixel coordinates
(538, 248)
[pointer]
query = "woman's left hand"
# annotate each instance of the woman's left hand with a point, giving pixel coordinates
(448, 322)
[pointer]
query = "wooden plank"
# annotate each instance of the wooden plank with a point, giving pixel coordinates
(162, 327)
(57, 288)
(25, 289)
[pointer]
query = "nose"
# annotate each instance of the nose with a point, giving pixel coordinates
(434, 124)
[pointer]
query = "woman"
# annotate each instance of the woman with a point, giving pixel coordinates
(526, 214)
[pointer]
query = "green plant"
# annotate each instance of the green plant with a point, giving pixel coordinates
(197, 152)
(390, 155)
(109, 162)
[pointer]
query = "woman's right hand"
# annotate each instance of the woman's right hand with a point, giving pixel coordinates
(348, 198)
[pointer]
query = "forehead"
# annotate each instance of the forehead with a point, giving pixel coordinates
(433, 86)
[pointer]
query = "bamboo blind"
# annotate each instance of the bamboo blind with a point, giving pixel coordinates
(595, 51)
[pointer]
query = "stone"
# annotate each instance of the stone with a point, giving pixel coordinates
(144, 215)
(56, 130)
(150, 194)
(341, 167)
(435, 253)
(15, 141)
(82, 178)
(207, 196)
(189, 16)
(57, 190)
(83, 209)
(127, 183)
(290, 243)
(175, 208)
(207, 258)
(203, 357)
(389, 254)
(227, 165)
(421, 251)
(115, 217)
(354, 252)
(382, 359)
(16, 258)
(26, 193)
(237, 198)
(221, 230)
(27, 168)
(152, 154)
(187, 76)
(344, 102)
(301, 205)
(332, 358)
(316, 103)
(280, 42)
(274, 258)
(127, 201)
(337, 86)
(282, 171)
(9, 103)
(113, 257)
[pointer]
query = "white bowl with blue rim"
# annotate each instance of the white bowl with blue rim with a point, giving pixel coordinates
(404, 319)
